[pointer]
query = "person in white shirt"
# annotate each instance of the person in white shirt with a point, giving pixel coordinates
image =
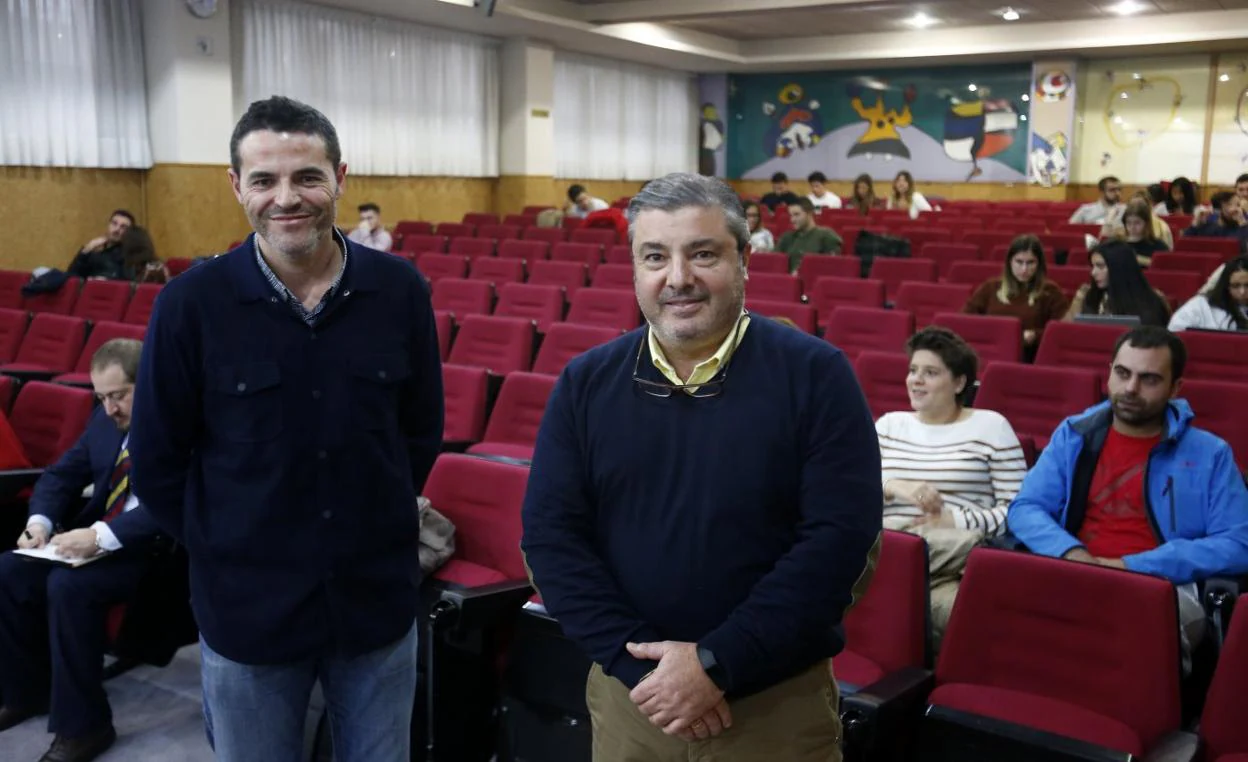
(819, 195)
(371, 232)
(906, 197)
(581, 204)
(1095, 213)
(1223, 307)
(761, 238)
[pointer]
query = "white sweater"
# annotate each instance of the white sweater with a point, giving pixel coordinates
(1199, 313)
(976, 464)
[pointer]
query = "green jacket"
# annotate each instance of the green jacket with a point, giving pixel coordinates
(816, 240)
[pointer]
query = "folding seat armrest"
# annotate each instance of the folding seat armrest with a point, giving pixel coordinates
(1175, 746)
(24, 376)
(480, 607)
(502, 459)
(1006, 541)
(1218, 595)
(13, 482)
(885, 712)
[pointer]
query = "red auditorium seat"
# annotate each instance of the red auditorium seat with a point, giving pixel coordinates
(920, 238)
(619, 254)
(418, 242)
(551, 236)
(463, 297)
(472, 248)
(517, 415)
(614, 277)
(100, 333)
(51, 346)
(501, 345)
(1190, 261)
(1219, 409)
(465, 391)
(597, 236)
(1219, 356)
(435, 266)
(12, 330)
(1068, 277)
(476, 219)
(945, 255)
(497, 271)
(802, 314)
(589, 254)
(1079, 345)
(611, 308)
(529, 251)
(1224, 723)
(773, 287)
(832, 292)
(445, 326)
(571, 223)
(103, 300)
(994, 338)
(455, 230)
(49, 418)
(563, 341)
(520, 221)
(927, 299)
(1055, 243)
(541, 304)
(1080, 651)
(856, 329)
(412, 227)
(974, 273)
(533, 211)
(178, 265)
(1035, 399)
(816, 266)
(986, 241)
(11, 282)
(570, 276)
(499, 232)
(894, 272)
(1223, 248)
(769, 262)
(59, 302)
(8, 390)
(1177, 285)
(141, 303)
(882, 376)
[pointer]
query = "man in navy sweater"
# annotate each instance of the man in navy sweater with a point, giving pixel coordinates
(288, 412)
(705, 505)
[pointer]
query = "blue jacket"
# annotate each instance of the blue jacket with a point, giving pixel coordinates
(90, 461)
(1195, 496)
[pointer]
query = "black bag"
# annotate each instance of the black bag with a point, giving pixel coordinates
(871, 245)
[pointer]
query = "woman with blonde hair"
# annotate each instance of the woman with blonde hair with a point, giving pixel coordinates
(1022, 292)
(905, 197)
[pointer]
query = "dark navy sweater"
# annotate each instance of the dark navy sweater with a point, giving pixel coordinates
(740, 522)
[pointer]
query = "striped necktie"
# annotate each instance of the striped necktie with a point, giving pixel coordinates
(118, 486)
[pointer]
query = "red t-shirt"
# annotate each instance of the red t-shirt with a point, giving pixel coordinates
(1116, 523)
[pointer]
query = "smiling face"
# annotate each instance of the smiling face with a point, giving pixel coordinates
(931, 385)
(289, 190)
(901, 185)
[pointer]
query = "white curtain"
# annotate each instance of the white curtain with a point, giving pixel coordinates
(621, 121)
(405, 99)
(72, 90)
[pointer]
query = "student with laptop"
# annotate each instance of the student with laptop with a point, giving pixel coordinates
(1117, 287)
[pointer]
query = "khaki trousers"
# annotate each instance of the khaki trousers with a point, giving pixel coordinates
(795, 721)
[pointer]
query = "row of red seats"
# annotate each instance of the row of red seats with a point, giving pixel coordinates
(117, 301)
(472, 249)
(449, 232)
(503, 345)
(55, 345)
(537, 304)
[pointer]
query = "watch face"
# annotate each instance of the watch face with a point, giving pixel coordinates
(202, 8)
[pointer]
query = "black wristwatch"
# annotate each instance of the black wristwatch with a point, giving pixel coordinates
(714, 669)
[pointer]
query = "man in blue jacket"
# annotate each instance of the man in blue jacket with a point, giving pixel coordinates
(705, 505)
(48, 610)
(1132, 484)
(288, 413)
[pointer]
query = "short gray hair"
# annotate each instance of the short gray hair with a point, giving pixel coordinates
(123, 353)
(684, 189)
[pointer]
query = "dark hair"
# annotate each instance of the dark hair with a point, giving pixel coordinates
(1138, 207)
(281, 114)
(806, 204)
(817, 177)
(953, 351)
(779, 177)
(863, 205)
(1156, 194)
(1153, 337)
(1128, 292)
(1187, 190)
(681, 190)
(1220, 198)
(1031, 243)
(369, 207)
(745, 211)
(1242, 179)
(121, 213)
(1220, 295)
(576, 190)
(1106, 180)
(137, 249)
(121, 352)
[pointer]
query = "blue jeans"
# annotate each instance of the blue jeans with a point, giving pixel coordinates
(257, 712)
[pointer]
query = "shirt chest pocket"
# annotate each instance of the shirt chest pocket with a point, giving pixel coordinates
(246, 404)
(375, 383)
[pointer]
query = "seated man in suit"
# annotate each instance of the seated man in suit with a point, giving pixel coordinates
(53, 616)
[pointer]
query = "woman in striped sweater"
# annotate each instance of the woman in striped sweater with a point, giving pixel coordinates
(949, 471)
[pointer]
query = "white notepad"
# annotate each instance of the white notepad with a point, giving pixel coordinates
(50, 554)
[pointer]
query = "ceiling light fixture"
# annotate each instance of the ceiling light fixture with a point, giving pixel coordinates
(972, 87)
(920, 20)
(1023, 117)
(1010, 15)
(465, 3)
(1127, 7)
(1123, 95)
(1026, 97)
(1224, 77)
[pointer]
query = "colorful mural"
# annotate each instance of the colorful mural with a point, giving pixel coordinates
(712, 132)
(947, 125)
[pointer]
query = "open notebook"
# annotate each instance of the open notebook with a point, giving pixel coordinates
(50, 554)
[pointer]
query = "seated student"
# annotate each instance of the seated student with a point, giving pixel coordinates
(1131, 483)
(760, 237)
(780, 193)
(102, 257)
(806, 237)
(371, 232)
(139, 262)
(581, 204)
(1228, 221)
(1022, 291)
(905, 197)
(1138, 230)
(819, 195)
(864, 200)
(64, 673)
(1118, 287)
(949, 471)
(1096, 212)
(1224, 307)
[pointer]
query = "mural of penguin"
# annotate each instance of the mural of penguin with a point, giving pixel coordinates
(711, 139)
(881, 137)
(978, 129)
(795, 128)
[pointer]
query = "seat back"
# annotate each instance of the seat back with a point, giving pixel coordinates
(994, 338)
(517, 413)
(1191, 261)
(831, 292)
(618, 277)
(1069, 278)
(103, 300)
(927, 299)
(1079, 345)
(816, 266)
(102, 332)
(49, 418)
(541, 304)
(774, 287)
(58, 302)
(889, 625)
(620, 254)
(1215, 356)
(8, 390)
(1222, 726)
(482, 498)
(1103, 639)
(435, 266)
(11, 282)
(588, 254)
(53, 342)
(12, 330)
(501, 345)
(455, 229)
(497, 271)
(570, 276)
(472, 248)
(946, 255)
(464, 391)
(1035, 399)
(598, 236)
(417, 242)
(769, 262)
(413, 227)
(549, 235)
(973, 273)
(894, 272)
(529, 251)
(882, 376)
(1223, 248)
(1175, 284)
(444, 324)
(477, 219)
(563, 341)
(803, 315)
(1219, 410)
(606, 307)
(499, 232)
(142, 301)
(855, 329)
(463, 297)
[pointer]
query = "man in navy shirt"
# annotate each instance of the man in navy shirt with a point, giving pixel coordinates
(292, 410)
(705, 505)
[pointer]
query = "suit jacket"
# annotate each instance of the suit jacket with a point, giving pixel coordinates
(90, 461)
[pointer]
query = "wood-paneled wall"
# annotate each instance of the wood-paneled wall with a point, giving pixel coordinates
(192, 210)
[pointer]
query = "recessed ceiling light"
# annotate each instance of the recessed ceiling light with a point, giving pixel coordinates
(1026, 97)
(1117, 120)
(1010, 15)
(1137, 75)
(1023, 117)
(1124, 96)
(972, 87)
(1224, 77)
(1127, 7)
(920, 20)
